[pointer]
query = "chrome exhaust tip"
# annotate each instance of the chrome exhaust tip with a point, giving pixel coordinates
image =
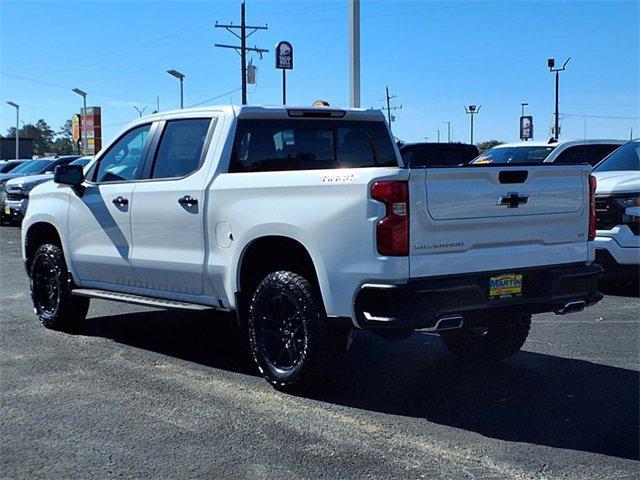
(448, 322)
(574, 306)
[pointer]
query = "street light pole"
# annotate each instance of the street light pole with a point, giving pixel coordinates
(438, 135)
(179, 76)
(17, 107)
(140, 111)
(354, 54)
(472, 111)
(448, 132)
(551, 64)
(83, 116)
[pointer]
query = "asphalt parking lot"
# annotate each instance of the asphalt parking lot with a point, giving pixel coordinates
(142, 393)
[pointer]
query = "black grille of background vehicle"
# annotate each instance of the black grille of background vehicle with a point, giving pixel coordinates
(14, 196)
(608, 213)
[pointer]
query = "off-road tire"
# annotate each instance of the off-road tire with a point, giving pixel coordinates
(500, 339)
(318, 347)
(60, 310)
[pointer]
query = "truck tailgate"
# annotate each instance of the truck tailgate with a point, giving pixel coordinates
(472, 219)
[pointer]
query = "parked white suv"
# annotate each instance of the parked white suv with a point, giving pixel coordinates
(563, 151)
(304, 222)
(618, 213)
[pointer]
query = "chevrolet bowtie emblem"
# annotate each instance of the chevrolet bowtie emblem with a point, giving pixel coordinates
(512, 200)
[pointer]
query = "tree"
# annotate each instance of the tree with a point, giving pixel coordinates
(488, 144)
(41, 133)
(64, 144)
(46, 140)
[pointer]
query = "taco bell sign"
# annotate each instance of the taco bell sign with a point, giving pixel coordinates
(526, 127)
(284, 56)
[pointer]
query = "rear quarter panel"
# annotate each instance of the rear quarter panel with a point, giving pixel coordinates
(328, 211)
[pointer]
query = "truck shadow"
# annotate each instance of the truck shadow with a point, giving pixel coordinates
(531, 398)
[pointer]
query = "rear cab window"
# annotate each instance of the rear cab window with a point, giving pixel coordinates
(263, 145)
(521, 154)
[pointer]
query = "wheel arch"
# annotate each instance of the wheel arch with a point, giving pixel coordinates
(268, 253)
(38, 234)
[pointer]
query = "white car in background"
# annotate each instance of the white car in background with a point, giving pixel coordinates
(564, 151)
(618, 213)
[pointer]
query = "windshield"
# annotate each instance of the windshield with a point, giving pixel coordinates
(81, 161)
(626, 157)
(520, 154)
(32, 166)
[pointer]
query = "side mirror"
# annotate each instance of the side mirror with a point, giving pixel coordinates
(72, 175)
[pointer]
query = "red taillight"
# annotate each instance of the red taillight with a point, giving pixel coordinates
(392, 232)
(592, 207)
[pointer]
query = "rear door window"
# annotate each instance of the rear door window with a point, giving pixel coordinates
(278, 145)
(181, 148)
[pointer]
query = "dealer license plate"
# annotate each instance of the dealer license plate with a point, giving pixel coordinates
(505, 285)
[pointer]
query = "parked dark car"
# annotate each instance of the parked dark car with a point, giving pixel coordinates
(6, 167)
(17, 192)
(437, 154)
(28, 168)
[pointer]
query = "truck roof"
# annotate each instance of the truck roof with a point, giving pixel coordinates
(252, 111)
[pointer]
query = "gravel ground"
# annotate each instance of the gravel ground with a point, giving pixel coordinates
(142, 393)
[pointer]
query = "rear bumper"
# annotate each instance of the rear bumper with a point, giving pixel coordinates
(422, 303)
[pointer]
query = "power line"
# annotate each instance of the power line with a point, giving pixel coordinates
(610, 117)
(243, 49)
(214, 98)
(68, 88)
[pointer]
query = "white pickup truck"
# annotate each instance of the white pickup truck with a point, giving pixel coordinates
(305, 223)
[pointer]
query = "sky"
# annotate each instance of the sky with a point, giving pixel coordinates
(435, 56)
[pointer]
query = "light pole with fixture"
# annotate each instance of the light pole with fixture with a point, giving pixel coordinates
(83, 116)
(179, 76)
(17, 107)
(472, 111)
(551, 64)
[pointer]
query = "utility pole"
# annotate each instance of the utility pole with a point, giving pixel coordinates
(438, 135)
(472, 110)
(448, 132)
(551, 64)
(140, 112)
(17, 107)
(354, 54)
(243, 49)
(389, 108)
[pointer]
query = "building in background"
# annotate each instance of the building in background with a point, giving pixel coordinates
(93, 118)
(8, 148)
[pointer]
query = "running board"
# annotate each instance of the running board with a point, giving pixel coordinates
(138, 299)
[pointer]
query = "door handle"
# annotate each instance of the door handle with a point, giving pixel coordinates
(188, 200)
(120, 201)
